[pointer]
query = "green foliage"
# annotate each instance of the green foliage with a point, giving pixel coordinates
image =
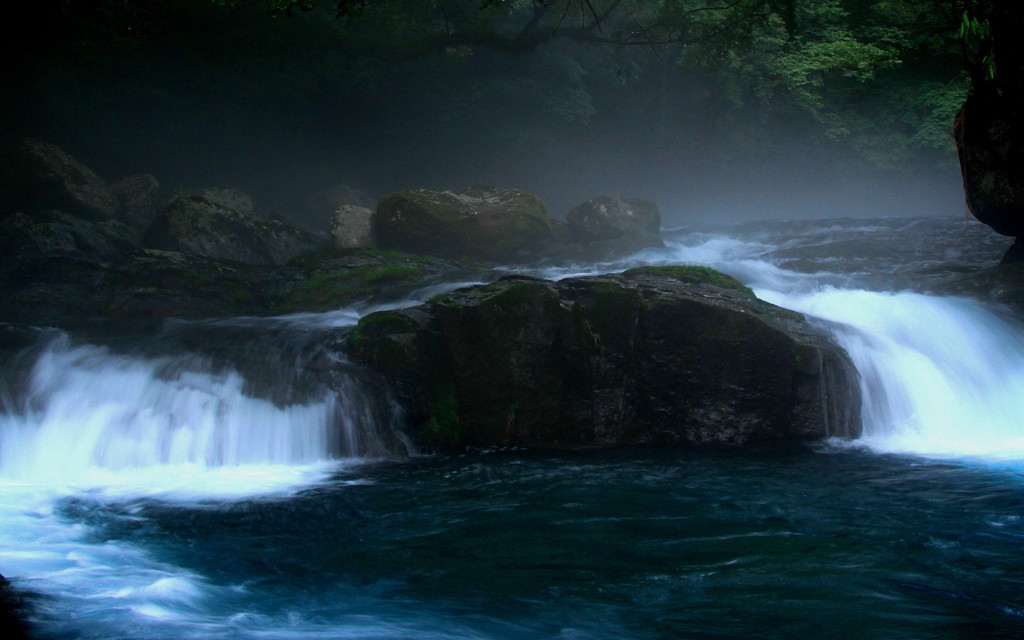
(876, 81)
(975, 33)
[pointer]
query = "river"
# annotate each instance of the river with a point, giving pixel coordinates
(237, 479)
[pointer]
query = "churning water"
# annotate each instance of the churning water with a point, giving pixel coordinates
(238, 479)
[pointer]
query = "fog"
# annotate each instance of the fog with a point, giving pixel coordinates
(272, 106)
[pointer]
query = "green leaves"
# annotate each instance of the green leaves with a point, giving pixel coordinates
(976, 35)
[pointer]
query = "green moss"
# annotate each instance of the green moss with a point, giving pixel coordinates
(443, 428)
(693, 274)
(381, 324)
(520, 295)
(329, 289)
(605, 287)
(390, 254)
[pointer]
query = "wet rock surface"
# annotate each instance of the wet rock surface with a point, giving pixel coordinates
(672, 354)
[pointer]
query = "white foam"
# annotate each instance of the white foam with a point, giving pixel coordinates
(939, 376)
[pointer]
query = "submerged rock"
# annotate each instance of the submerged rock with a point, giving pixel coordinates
(208, 227)
(478, 222)
(655, 355)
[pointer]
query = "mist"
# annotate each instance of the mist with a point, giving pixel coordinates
(270, 106)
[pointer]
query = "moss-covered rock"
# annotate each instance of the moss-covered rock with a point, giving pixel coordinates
(653, 356)
(692, 274)
(478, 222)
(338, 277)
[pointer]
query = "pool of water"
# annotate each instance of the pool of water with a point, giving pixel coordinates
(607, 543)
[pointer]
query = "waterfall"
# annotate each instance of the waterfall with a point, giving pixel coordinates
(939, 375)
(204, 479)
(84, 407)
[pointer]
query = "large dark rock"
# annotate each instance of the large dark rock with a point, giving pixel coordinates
(478, 222)
(669, 355)
(989, 130)
(51, 246)
(1001, 285)
(207, 226)
(12, 613)
(139, 198)
(151, 284)
(38, 175)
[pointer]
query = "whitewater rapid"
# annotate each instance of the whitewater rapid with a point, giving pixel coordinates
(98, 429)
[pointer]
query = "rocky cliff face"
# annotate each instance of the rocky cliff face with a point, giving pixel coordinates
(989, 133)
(669, 355)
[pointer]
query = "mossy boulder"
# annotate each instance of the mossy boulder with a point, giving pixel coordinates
(206, 226)
(651, 356)
(479, 222)
(338, 277)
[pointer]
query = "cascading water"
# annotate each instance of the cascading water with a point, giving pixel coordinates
(88, 408)
(89, 427)
(939, 376)
(209, 480)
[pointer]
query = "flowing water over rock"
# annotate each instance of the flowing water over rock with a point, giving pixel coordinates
(239, 479)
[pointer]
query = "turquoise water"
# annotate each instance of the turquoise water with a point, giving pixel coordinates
(236, 479)
(618, 543)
